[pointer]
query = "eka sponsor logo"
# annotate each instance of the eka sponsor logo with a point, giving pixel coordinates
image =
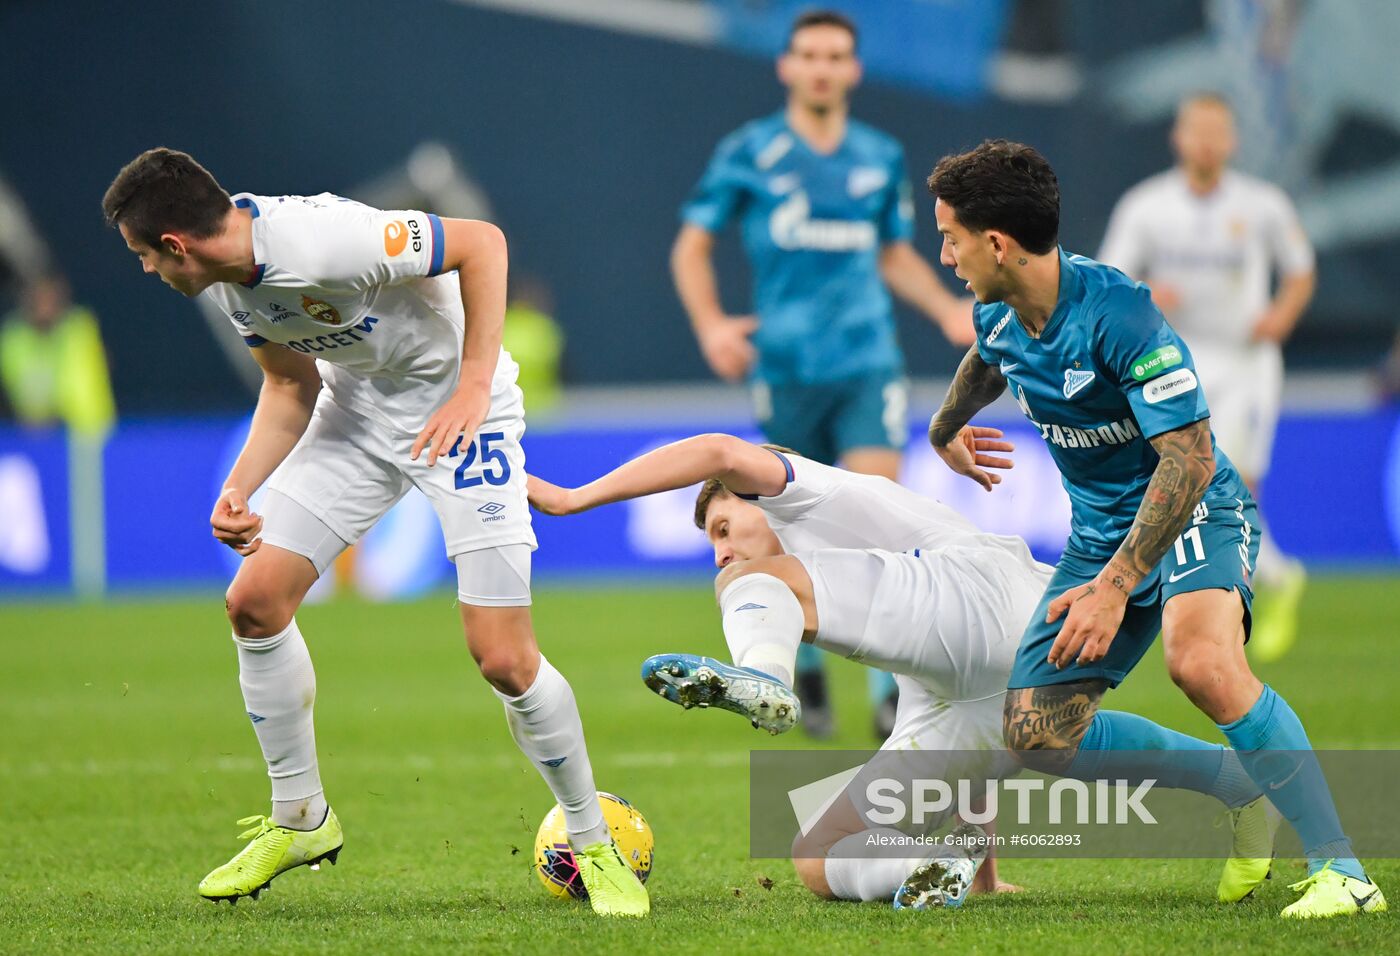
(399, 236)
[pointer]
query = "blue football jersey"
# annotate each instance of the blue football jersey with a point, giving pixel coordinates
(812, 228)
(1106, 374)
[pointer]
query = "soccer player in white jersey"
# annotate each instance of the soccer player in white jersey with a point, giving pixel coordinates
(1209, 240)
(869, 570)
(378, 333)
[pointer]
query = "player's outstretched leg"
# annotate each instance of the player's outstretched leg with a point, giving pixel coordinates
(1059, 728)
(544, 720)
(693, 681)
(279, 691)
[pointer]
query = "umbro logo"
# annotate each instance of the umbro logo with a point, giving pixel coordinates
(752, 607)
(492, 508)
(256, 718)
(240, 317)
(1075, 381)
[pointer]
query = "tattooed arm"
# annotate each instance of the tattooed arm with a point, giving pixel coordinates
(1177, 485)
(975, 386)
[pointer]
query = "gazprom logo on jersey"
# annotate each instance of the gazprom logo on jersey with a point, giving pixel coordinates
(1071, 436)
(1169, 386)
(335, 340)
(1154, 363)
(791, 226)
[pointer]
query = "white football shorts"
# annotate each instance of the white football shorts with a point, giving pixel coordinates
(1244, 388)
(347, 471)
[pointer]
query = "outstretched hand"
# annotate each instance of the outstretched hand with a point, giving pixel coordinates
(967, 454)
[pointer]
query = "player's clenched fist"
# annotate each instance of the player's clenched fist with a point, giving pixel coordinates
(234, 522)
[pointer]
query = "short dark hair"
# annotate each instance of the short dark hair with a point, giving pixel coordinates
(714, 488)
(1005, 186)
(823, 18)
(165, 190)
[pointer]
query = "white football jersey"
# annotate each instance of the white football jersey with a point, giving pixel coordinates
(360, 290)
(826, 507)
(1217, 251)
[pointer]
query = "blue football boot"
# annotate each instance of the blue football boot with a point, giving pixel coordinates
(693, 681)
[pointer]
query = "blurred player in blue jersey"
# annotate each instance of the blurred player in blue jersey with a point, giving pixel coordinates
(1164, 534)
(826, 217)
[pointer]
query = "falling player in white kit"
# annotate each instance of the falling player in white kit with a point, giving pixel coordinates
(1209, 240)
(398, 315)
(858, 566)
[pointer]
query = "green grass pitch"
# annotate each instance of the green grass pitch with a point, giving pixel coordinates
(127, 758)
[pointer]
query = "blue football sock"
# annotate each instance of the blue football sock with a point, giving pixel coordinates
(1275, 751)
(1121, 746)
(809, 659)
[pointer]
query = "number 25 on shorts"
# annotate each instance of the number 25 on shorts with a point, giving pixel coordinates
(489, 456)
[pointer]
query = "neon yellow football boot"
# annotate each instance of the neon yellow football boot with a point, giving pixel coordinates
(1252, 853)
(271, 850)
(613, 889)
(1276, 625)
(1329, 893)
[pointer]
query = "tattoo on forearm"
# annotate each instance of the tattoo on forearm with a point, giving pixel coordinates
(1051, 719)
(975, 386)
(1186, 467)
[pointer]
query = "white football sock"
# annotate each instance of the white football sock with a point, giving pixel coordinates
(854, 874)
(762, 622)
(545, 724)
(279, 692)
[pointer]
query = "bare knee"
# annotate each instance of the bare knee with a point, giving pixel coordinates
(812, 872)
(502, 643)
(1211, 676)
(256, 613)
(737, 569)
(784, 567)
(809, 860)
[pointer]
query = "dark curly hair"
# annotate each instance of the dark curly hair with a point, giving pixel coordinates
(1004, 186)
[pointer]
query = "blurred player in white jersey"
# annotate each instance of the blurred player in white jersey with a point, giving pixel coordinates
(398, 315)
(1209, 241)
(864, 568)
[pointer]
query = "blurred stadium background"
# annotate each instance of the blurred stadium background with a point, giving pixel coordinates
(579, 128)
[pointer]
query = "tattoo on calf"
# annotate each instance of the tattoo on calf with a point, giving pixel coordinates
(1044, 725)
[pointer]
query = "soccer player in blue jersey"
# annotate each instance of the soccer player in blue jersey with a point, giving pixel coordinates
(826, 216)
(1164, 533)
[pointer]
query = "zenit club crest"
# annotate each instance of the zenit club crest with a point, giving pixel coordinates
(319, 311)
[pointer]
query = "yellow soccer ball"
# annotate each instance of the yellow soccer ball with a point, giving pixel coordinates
(554, 858)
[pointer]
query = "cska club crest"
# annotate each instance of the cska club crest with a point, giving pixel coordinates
(319, 311)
